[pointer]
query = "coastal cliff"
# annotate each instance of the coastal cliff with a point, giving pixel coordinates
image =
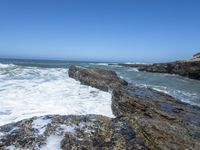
(145, 119)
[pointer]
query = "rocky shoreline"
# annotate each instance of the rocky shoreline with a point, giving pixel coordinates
(70, 132)
(187, 68)
(104, 80)
(145, 119)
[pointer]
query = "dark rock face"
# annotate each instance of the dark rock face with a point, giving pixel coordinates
(70, 132)
(145, 119)
(160, 120)
(190, 69)
(102, 79)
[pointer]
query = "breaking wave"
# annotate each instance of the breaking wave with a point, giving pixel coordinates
(32, 91)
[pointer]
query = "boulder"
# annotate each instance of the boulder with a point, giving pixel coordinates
(161, 121)
(102, 79)
(70, 132)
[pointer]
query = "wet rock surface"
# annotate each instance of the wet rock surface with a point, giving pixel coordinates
(70, 132)
(145, 119)
(102, 79)
(190, 69)
(160, 120)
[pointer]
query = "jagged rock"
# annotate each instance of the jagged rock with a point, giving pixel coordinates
(161, 121)
(145, 119)
(190, 69)
(70, 132)
(102, 79)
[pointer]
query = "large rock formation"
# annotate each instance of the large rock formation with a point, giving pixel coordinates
(160, 120)
(102, 79)
(145, 119)
(190, 69)
(92, 132)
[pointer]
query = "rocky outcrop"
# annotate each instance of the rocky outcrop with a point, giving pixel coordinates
(157, 119)
(145, 119)
(160, 120)
(102, 79)
(70, 132)
(196, 55)
(190, 69)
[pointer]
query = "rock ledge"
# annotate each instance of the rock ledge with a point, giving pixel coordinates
(105, 80)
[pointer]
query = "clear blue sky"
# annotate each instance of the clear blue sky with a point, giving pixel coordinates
(115, 30)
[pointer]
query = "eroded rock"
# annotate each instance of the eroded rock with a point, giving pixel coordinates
(189, 68)
(102, 79)
(160, 120)
(70, 132)
(145, 119)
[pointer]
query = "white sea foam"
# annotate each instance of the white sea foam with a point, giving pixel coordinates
(1, 134)
(99, 64)
(133, 69)
(65, 128)
(29, 91)
(52, 142)
(135, 63)
(185, 96)
(40, 124)
(179, 94)
(12, 147)
(6, 65)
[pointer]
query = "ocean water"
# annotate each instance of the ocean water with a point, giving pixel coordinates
(34, 88)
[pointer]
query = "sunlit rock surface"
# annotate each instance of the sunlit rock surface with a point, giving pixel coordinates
(69, 132)
(102, 79)
(160, 120)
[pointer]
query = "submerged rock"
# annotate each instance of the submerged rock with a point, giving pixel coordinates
(102, 79)
(161, 121)
(70, 132)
